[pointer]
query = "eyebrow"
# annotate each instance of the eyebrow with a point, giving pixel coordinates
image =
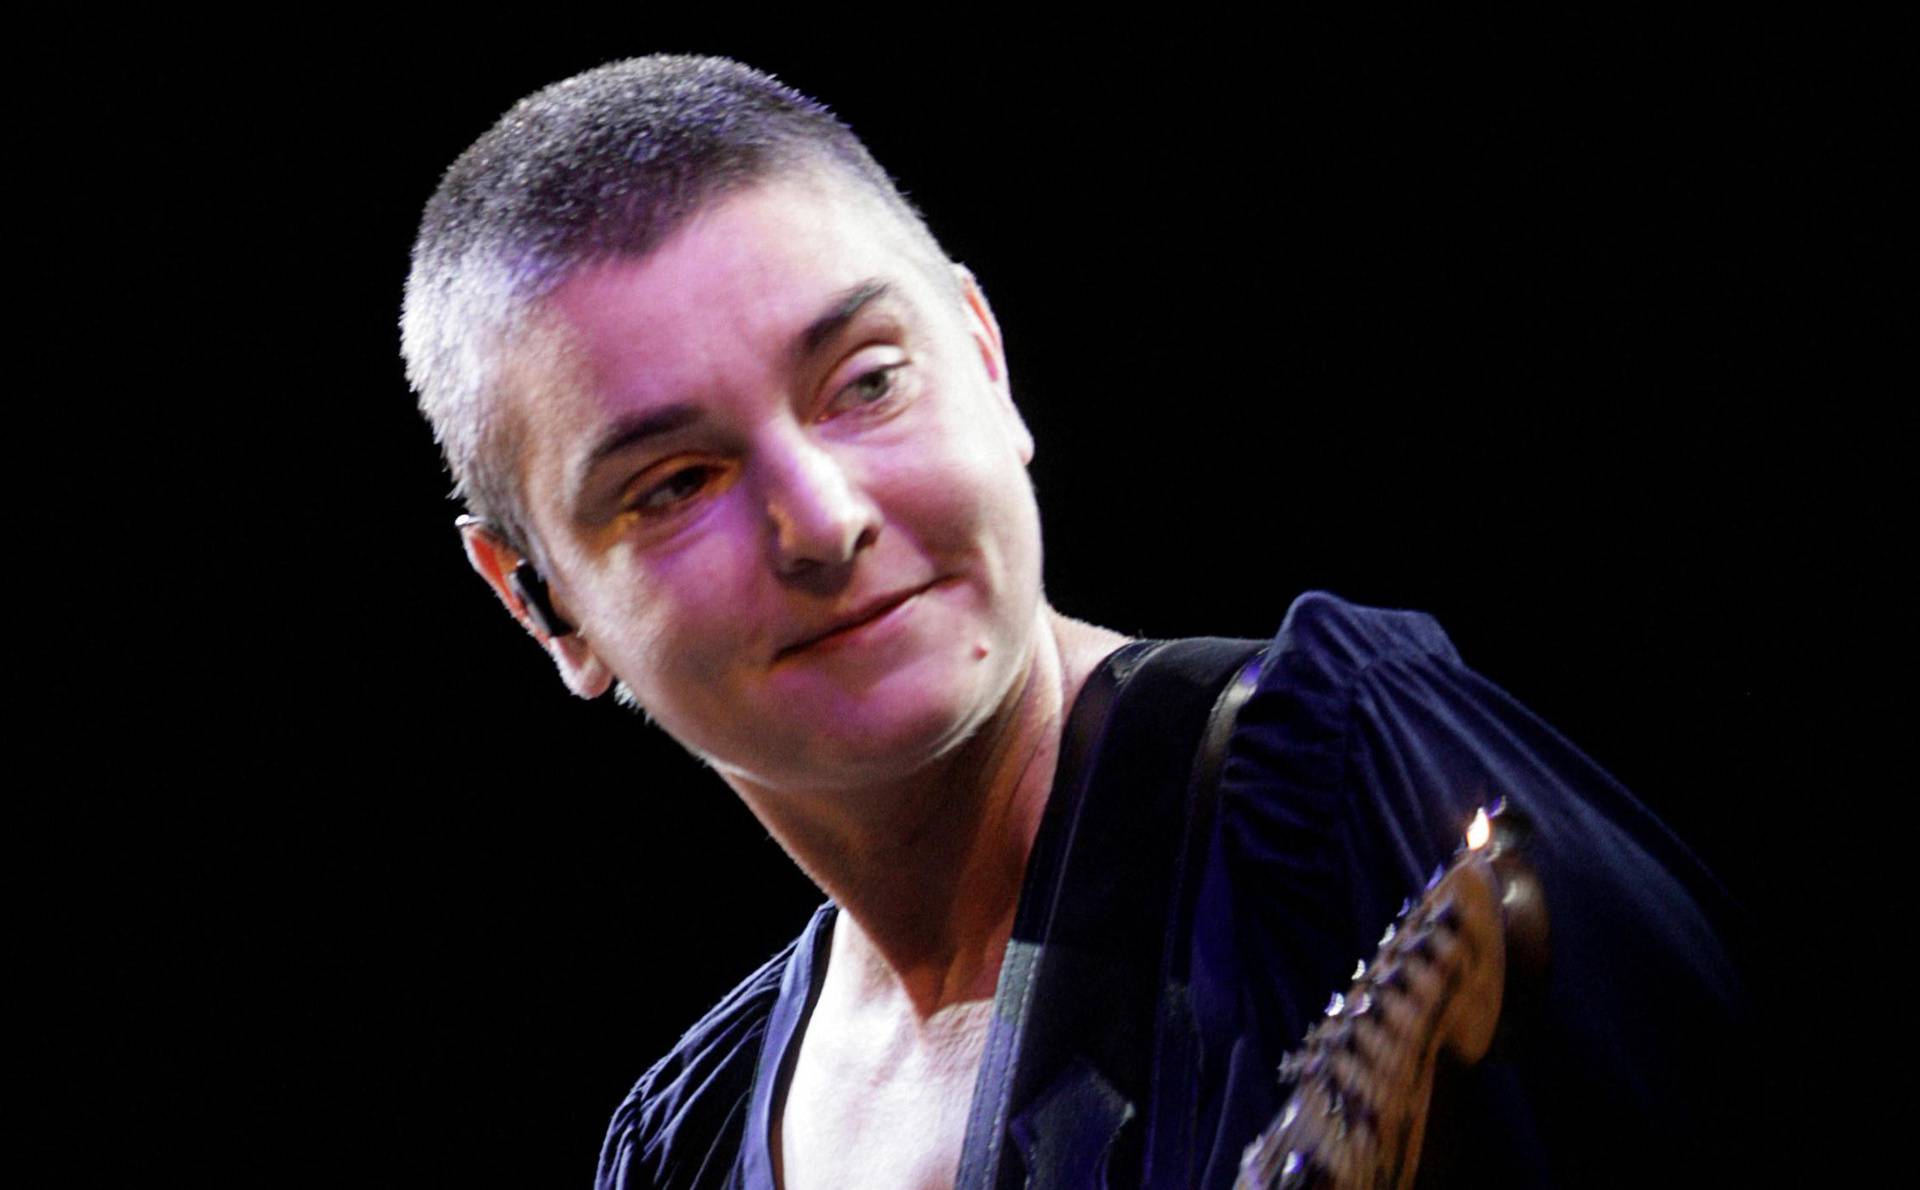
(638, 427)
(847, 304)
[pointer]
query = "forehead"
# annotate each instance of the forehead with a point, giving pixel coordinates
(722, 306)
(744, 267)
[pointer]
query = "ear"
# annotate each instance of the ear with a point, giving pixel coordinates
(986, 338)
(494, 560)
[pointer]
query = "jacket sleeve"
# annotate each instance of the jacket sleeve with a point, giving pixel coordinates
(1355, 767)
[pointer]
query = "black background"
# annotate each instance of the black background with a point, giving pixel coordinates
(1572, 336)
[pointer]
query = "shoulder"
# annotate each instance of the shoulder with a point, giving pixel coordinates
(1352, 707)
(1327, 632)
(680, 1124)
(1330, 668)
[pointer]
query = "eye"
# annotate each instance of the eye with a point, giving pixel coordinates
(873, 387)
(668, 494)
(868, 389)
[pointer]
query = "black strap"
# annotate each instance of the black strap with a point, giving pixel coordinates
(1092, 991)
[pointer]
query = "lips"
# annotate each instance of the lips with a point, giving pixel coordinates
(840, 626)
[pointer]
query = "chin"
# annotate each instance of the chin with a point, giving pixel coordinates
(884, 734)
(897, 744)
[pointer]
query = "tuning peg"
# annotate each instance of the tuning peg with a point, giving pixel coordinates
(1290, 1070)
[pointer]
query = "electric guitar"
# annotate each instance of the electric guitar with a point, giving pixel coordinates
(1363, 1077)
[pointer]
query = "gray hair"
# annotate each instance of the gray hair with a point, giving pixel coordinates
(604, 165)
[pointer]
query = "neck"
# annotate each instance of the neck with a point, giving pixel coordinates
(927, 871)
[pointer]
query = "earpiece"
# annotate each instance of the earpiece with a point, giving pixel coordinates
(531, 590)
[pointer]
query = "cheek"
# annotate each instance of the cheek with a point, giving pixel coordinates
(973, 497)
(671, 621)
(938, 498)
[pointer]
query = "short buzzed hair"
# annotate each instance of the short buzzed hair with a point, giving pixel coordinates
(604, 165)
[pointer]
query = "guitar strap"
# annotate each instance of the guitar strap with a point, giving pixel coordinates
(1092, 1022)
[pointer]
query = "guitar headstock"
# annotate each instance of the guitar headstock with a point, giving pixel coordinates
(1363, 1076)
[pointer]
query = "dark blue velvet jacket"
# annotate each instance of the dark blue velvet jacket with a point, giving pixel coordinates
(1353, 766)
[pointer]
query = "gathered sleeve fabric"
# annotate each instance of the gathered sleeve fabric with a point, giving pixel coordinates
(683, 1124)
(1354, 768)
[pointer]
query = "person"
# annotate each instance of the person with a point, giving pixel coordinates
(739, 444)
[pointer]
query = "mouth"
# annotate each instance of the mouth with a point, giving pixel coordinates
(845, 627)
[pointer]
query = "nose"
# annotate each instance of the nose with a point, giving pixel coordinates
(820, 519)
